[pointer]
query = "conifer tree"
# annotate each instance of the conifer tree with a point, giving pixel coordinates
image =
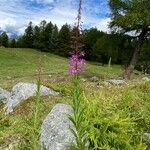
(28, 36)
(37, 38)
(129, 16)
(13, 43)
(4, 39)
(48, 37)
(64, 40)
(55, 39)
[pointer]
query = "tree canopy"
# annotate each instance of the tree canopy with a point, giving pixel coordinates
(97, 45)
(131, 15)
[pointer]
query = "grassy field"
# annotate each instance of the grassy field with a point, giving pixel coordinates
(19, 65)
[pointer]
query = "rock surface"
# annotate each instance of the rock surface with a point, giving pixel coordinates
(116, 82)
(55, 132)
(148, 136)
(94, 79)
(23, 91)
(4, 95)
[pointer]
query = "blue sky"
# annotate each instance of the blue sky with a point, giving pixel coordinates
(16, 14)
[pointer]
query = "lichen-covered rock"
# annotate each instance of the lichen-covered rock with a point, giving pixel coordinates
(115, 82)
(23, 91)
(55, 131)
(4, 95)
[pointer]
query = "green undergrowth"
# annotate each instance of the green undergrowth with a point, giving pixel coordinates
(21, 121)
(117, 116)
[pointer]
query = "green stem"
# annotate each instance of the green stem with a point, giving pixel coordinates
(35, 124)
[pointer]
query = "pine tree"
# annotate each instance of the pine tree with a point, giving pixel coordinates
(20, 42)
(48, 37)
(28, 36)
(36, 38)
(0, 41)
(55, 39)
(42, 35)
(4, 39)
(64, 40)
(13, 43)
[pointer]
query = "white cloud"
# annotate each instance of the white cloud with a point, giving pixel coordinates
(16, 14)
(7, 21)
(44, 1)
(102, 24)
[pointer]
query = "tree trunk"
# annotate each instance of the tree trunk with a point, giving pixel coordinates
(140, 42)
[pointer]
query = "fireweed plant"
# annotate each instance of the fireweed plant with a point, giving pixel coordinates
(36, 109)
(76, 66)
(35, 120)
(31, 123)
(78, 118)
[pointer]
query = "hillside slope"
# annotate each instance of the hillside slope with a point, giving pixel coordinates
(21, 64)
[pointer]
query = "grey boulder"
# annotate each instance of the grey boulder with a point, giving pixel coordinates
(4, 95)
(23, 91)
(115, 82)
(55, 130)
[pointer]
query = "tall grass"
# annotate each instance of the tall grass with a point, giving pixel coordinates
(32, 122)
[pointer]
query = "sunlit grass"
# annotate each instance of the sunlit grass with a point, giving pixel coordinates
(18, 65)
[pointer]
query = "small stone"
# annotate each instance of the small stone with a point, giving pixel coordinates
(116, 82)
(55, 130)
(147, 135)
(106, 83)
(83, 79)
(94, 79)
(8, 77)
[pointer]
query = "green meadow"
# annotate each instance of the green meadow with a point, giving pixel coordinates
(123, 112)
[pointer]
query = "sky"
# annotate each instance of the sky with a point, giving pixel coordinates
(16, 14)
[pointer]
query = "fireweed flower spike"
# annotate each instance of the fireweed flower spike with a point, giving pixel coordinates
(76, 66)
(76, 63)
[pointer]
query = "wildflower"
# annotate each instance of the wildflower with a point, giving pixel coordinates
(76, 63)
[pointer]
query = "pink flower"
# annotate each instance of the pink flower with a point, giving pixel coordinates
(76, 63)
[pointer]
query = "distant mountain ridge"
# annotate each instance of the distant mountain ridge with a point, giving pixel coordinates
(11, 35)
